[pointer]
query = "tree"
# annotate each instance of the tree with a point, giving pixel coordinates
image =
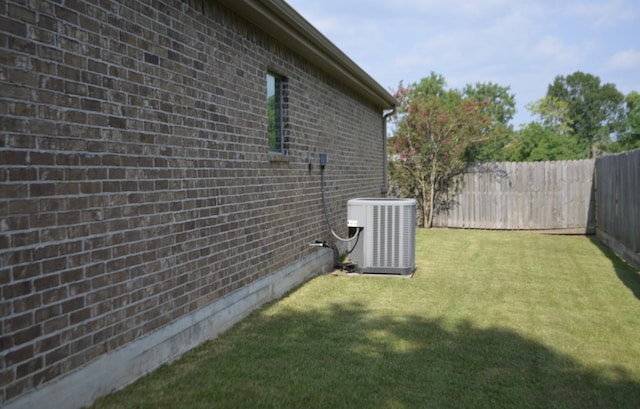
(633, 113)
(553, 114)
(501, 105)
(537, 142)
(501, 108)
(550, 137)
(630, 138)
(596, 110)
(435, 128)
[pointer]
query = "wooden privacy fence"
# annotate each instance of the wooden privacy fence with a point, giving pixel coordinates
(618, 204)
(522, 196)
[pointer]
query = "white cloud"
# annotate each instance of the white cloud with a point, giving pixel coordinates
(523, 45)
(553, 48)
(604, 14)
(625, 60)
(460, 9)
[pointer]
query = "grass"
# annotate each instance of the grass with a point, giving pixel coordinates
(490, 320)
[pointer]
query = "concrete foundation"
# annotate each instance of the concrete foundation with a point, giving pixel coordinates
(117, 369)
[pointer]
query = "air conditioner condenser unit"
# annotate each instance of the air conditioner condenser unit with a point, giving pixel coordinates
(386, 237)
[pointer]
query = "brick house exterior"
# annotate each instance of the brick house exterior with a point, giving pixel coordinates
(141, 211)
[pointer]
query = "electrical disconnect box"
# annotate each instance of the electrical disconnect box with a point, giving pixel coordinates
(324, 159)
(387, 231)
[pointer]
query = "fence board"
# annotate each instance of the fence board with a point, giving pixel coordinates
(618, 203)
(522, 196)
(562, 195)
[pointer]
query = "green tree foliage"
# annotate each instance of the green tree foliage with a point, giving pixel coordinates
(502, 104)
(596, 110)
(501, 108)
(537, 142)
(630, 138)
(548, 138)
(435, 129)
(553, 114)
(439, 130)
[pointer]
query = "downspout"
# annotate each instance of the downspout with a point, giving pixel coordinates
(384, 189)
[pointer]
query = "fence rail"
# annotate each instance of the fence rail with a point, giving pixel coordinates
(523, 196)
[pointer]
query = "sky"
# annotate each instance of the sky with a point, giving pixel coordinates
(523, 45)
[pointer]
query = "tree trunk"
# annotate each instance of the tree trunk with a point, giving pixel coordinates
(425, 203)
(432, 194)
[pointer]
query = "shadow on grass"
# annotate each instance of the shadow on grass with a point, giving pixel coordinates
(346, 356)
(626, 273)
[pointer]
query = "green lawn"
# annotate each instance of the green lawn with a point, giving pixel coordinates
(490, 320)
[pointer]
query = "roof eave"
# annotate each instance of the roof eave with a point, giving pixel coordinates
(285, 24)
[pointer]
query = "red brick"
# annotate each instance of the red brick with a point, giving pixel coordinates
(27, 335)
(79, 287)
(29, 367)
(77, 317)
(55, 324)
(47, 374)
(28, 303)
(46, 282)
(42, 158)
(54, 295)
(11, 190)
(43, 220)
(80, 344)
(18, 387)
(49, 112)
(47, 312)
(77, 231)
(16, 27)
(52, 173)
(54, 265)
(21, 13)
(56, 355)
(22, 174)
(74, 362)
(73, 304)
(6, 377)
(42, 189)
(48, 344)
(24, 239)
(19, 322)
(22, 354)
(69, 276)
(17, 289)
(13, 157)
(53, 234)
(150, 185)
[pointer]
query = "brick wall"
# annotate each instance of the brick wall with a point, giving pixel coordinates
(136, 183)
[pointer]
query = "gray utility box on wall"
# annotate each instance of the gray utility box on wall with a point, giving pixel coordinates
(386, 242)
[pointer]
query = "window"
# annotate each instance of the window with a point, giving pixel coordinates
(275, 110)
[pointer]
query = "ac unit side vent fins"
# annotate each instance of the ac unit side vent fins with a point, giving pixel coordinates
(387, 242)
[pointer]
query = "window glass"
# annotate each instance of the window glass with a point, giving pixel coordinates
(274, 110)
